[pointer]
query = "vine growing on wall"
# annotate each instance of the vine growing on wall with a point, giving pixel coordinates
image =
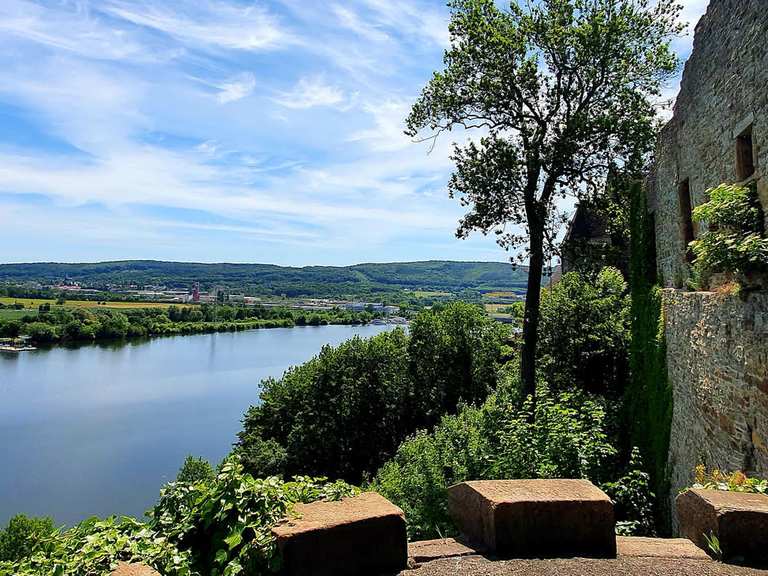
(649, 395)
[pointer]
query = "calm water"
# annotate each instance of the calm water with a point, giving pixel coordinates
(99, 429)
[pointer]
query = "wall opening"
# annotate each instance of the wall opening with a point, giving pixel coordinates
(686, 219)
(745, 155)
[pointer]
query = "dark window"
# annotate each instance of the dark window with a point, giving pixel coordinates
(745, 156)
(684, 196)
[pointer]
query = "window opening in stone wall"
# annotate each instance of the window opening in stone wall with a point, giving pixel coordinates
(745, 155)
(686, 219)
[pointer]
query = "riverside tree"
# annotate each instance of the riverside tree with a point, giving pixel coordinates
(560, 91)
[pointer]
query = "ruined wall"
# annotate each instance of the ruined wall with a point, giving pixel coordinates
(723, 93)
(717, 360)
(717, 345)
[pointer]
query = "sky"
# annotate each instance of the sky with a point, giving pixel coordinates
(226, 131)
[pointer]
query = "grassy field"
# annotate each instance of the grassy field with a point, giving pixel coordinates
(15, 314)
(494, 308)
(33, 303)
(501, 295)
(428, 294)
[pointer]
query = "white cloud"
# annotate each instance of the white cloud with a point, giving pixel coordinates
(76, 31)
(311, 92)
(236, 88)
(206, 23)
(387, 132)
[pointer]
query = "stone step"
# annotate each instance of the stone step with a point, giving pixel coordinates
(639, 547)
(738, 520)
(428, 550)
(535, 518)
(364, 534)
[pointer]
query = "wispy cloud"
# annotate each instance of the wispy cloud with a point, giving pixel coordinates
(311, 92)
(236, 88)
(206, 23)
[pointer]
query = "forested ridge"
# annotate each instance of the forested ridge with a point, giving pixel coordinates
(269, 279)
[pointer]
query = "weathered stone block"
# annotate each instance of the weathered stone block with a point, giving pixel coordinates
(133, 569)
(535, 518)
(364, 534)
(740, 522)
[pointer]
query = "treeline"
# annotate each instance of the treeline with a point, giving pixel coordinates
(387, 281)
(53, 324)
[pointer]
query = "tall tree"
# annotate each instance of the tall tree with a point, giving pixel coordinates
(560, 90)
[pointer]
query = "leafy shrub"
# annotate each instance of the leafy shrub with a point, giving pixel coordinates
(729, 482)
(562, 436)
(220, 528)
(585, 332)
(195, 470)
(633, 500)
(735, 241)
(23, 536)
(227, 525)
(343, 413)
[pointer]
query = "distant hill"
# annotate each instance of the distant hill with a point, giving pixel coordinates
(268, 279)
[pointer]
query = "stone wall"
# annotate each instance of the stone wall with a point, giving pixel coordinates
(717, 360)
(723, 94)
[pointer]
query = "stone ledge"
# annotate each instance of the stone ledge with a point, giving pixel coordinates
(739, 520)
(428, 550)
(364, 534)
(535, 518)
(638, 547)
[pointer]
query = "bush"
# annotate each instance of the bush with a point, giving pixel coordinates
(565, 439)
(729, 482)
(633, 500)
(220, 528)
(195, 470)
(42, 332)
(23, 536)
(585, 332)
(735, 241)
(344, 413)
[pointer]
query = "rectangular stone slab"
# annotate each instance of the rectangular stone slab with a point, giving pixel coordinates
(739, 520)
(535, 518)
(364, 534)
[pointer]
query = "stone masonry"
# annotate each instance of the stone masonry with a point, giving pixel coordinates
(723, 99)
(717, 361)
(717, 345)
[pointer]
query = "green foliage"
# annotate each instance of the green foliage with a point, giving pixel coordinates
(649, 397)
(23, 536)
(217, 528)
(735, 241)
(585, 332)
(195, 470)
(713, 544)
(93, 548)
(227, 525)
(729, 482)
(633, 500)
(343, 413)
(562, 436)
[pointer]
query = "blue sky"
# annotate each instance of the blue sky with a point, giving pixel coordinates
(225, 130)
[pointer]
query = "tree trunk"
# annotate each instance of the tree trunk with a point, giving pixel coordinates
(532, 303)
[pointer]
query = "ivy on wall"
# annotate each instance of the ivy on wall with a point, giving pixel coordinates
(649, 394)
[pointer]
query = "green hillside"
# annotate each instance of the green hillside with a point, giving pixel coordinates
(357, 280)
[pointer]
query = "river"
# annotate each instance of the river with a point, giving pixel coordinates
(98, 429)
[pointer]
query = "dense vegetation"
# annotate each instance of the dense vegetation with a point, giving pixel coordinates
(217, 527)
(60, 324)
(343, 413)
(573, 429)
(266, 279)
